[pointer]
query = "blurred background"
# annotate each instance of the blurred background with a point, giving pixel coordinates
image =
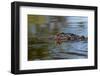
(42, 30)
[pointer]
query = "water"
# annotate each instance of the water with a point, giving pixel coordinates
(72, 49)
(67, 50)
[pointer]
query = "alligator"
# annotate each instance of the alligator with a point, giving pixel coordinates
(72, 37)
(69, 37)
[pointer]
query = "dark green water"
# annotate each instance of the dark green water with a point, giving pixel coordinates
(42, 50)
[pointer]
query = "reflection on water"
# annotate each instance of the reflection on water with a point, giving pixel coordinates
(44, 50)
(70, 50)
